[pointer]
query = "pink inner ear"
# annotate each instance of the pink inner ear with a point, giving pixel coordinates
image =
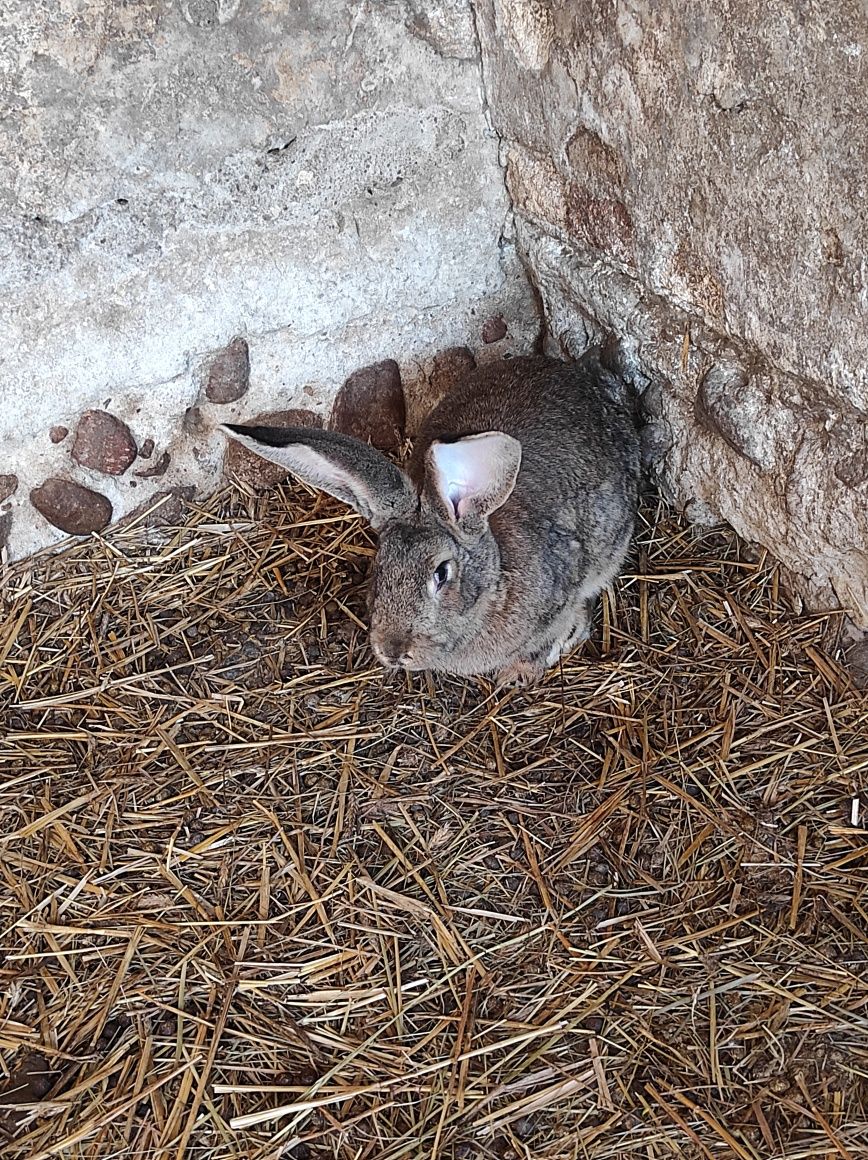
(457, 494)
(476, 473)
(465, 469)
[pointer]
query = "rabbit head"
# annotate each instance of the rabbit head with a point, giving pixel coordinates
(436, 581)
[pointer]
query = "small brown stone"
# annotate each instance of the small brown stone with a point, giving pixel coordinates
(156, 469)
(147, 449)
(493, 329)
(71, 507)
(8, 486)
(103, 443)
(229, 374)
(58, 434)
(370, 405)
(194, 421)
(251, 469)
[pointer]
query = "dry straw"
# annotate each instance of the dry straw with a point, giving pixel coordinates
(259, 899)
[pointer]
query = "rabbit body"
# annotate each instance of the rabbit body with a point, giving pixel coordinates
(517, 510)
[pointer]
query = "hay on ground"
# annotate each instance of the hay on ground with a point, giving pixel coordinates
(259, 899)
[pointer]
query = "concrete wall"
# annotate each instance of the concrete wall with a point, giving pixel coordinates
(317, 179)
(694, 177)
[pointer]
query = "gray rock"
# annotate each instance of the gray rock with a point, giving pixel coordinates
(730, 405)
(447, 25)
(71, 507)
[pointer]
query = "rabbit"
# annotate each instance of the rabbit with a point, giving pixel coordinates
(516, 511)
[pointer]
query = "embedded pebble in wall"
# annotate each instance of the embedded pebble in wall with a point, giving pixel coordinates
(493, 329)
(8, 486)
(156, 469)
(194, 422)
(370, 405)
(245, 467)
(103, 443)
(71, 507)
(58, 434)
(147, 449)
(229, 375)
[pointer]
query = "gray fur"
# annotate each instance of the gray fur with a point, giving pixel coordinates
(345, 468)
(530, 559)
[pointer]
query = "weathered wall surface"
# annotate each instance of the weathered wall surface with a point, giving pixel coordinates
(694, 177)
(317, 179)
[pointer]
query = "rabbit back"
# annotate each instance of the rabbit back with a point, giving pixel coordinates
(580, 446)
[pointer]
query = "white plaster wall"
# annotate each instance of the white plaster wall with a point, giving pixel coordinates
(319, 178)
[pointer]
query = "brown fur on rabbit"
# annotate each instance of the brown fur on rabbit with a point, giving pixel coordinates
(516, 511)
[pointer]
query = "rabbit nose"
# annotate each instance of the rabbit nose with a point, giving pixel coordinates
(395, 650)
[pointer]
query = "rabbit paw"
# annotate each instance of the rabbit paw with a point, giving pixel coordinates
(521, 674)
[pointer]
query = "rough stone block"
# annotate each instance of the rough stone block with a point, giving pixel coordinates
(683, 178)
(320, 178)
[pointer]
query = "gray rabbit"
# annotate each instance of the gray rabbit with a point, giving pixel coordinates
(516, 511)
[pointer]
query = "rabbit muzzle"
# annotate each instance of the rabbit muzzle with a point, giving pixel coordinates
(394, 651)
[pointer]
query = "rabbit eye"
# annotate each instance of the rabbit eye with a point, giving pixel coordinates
(443, 573)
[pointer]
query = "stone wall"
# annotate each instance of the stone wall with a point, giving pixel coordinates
(290, 191)
(694, 178)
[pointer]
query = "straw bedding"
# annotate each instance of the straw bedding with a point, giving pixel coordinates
(259, 899)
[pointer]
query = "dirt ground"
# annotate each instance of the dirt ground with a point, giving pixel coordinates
(259, 899)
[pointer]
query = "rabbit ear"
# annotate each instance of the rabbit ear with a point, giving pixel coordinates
(473, 477)
(344, 467)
